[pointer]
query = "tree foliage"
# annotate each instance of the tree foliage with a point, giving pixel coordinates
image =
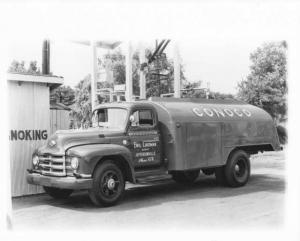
(195, 90)
(155, 86)
(118, 66)
(220, 96)
(33, 69)
(19, 67)
(63, 94)
(266, 85)
(82, 108)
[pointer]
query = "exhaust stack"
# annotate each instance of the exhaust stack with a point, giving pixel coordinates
(46, 58)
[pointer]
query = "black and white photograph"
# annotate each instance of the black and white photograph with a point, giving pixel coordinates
(170, 117)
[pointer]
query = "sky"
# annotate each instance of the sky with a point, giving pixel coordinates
(221, 64)
(215, 37)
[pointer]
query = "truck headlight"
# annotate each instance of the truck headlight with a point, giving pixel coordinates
(74, 162)
(35, 160)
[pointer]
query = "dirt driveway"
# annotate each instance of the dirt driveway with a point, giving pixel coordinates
(167, 205)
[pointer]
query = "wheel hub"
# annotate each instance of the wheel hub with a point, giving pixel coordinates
(111, 184)
(237, 168)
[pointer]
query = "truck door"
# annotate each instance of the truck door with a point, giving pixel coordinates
(144, 138)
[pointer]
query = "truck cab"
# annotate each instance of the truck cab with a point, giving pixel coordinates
(143, 141)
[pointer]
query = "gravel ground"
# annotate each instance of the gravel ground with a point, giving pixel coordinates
(167, 205)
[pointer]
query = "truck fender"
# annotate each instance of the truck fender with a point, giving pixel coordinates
(249, 149)
(93, 154)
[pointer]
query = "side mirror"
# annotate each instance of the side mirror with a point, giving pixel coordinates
(131, 119)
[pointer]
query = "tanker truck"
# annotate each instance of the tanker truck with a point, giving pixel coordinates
(147, 140)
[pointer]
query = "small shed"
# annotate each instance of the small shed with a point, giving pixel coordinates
(29, 123)
(59, 117)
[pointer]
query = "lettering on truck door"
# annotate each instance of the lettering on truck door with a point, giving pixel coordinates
(144, 137)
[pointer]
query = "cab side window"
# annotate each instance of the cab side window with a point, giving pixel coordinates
(143, 118)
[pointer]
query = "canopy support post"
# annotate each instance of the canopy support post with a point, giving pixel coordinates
(93, 74)
(128, 91)
(142, 75)
(177, 84)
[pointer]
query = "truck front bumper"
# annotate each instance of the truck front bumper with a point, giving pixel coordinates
(59, 182)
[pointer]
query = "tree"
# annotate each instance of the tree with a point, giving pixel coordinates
(19, 67)
(266, 86)
(155, 86)
(63, 94)
(194, 90)
(220, 96)
(118, 66)
(82, 109)
(33, 69)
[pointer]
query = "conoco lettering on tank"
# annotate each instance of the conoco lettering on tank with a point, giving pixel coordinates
(226, 112)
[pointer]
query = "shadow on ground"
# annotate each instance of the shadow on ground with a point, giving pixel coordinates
(166, 191)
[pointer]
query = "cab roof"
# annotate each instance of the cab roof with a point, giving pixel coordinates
(126, 105)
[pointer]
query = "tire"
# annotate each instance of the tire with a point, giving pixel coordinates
(58, 193)
(220, 176)
(108, 185)
(185, 177)
(208, 171)
(237, 169)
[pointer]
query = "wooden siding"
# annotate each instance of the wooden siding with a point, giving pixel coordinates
(29, 109)
(59, 120)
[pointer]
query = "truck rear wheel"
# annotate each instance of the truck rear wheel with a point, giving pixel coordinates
(58, 193)
(237, 169)
(108, 185)
(185, 177)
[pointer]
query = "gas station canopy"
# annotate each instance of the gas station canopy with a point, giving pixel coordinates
(101, 44)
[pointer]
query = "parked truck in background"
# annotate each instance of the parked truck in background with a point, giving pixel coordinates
(142, 140)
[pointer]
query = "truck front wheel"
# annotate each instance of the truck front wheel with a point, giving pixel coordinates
(185, 177)
(58, 193)
(108, 184)
(237, 169)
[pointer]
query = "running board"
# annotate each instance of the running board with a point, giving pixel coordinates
(153, 179)
(150, 172)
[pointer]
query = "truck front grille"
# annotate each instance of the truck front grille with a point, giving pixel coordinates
(52, 165)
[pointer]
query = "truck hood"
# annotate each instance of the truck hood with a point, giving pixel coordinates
(62, 140)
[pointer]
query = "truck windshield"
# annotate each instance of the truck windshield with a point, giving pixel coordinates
(112, 118)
